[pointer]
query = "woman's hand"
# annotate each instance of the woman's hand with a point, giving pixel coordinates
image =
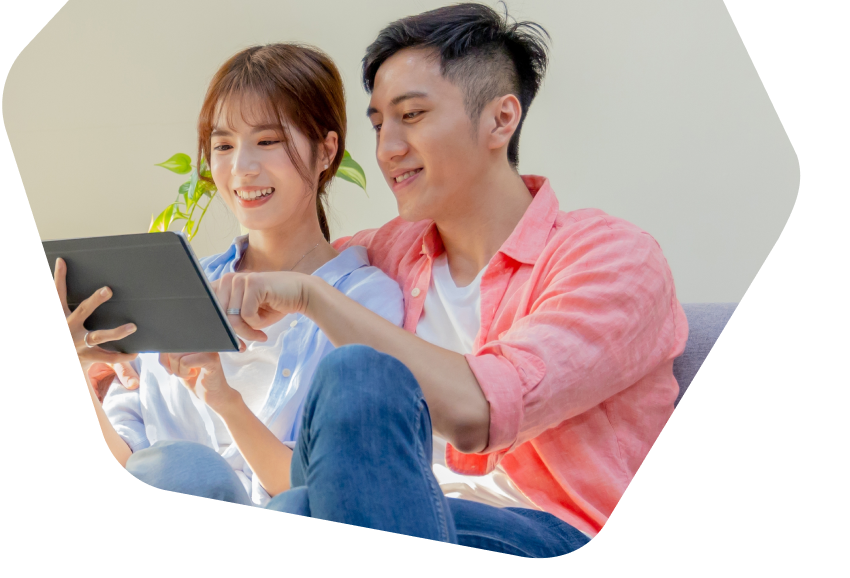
(85, 341)
(262, 299)
(202, 374)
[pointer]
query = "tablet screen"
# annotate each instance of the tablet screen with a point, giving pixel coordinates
(157, 283)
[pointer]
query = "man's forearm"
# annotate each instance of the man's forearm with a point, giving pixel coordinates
(459, 411)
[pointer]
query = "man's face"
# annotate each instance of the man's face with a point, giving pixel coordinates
(425, 144)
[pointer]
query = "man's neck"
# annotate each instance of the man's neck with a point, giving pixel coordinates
(480, 224)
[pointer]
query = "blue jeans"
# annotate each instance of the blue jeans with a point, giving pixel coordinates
(363, 457)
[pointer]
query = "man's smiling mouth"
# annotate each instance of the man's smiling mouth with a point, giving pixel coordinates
(407, 175)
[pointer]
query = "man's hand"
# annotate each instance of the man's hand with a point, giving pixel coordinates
(102, 375)
(261, 298)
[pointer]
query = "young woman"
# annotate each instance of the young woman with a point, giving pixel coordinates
(272, 127)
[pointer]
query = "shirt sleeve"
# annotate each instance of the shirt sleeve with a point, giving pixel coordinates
(123, 408)
(601, 315)
(373, 289)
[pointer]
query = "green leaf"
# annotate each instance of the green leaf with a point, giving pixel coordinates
(160, 223)
(205, 188)
(184, 191)
(187, 228)
(205, 169)
(179, 163)
(351, 171)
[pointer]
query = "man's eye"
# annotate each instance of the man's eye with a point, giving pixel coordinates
(411, 115)
(376, 127)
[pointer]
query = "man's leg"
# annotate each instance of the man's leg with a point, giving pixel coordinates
(517, 531)
(188, 468)
(363, 455)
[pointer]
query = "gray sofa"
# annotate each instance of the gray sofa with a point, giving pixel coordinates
(705, 322)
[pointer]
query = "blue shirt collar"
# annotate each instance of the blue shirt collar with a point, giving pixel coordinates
(331, 272)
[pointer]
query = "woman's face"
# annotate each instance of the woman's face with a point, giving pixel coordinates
(253, 172)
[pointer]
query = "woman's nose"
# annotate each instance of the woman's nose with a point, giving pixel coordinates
(244, 162)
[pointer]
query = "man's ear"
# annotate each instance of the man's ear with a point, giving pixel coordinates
(504, 115)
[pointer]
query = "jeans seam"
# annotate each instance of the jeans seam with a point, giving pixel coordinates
(436, 493)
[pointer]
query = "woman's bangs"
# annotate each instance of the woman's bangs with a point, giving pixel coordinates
(256, 109)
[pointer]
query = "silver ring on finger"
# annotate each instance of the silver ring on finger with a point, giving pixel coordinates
(234, 311)
(86, 340)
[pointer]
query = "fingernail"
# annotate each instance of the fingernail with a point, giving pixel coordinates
(133, 383)
(105, 291)
(130, 328)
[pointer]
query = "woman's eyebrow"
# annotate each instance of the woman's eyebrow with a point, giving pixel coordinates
(224, 132)
(263, 127)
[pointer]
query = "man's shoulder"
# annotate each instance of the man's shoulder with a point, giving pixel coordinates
(592, 233)
(388, 245)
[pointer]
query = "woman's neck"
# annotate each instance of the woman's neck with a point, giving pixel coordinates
(303, 250)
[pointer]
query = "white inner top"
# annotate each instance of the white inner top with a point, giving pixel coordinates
(251, 373)
(451, 319)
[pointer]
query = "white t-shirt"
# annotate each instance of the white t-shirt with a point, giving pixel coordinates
(451, 318)
(251, 373)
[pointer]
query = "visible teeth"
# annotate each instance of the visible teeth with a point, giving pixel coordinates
(406, 175)
(251, 195)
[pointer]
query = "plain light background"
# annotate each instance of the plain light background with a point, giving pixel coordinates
(651, 111)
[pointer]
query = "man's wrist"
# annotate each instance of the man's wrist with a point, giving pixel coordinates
(311, 295)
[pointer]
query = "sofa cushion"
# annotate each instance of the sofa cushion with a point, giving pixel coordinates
(705, 322)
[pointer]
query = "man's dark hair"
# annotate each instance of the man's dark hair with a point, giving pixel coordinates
(480, 51)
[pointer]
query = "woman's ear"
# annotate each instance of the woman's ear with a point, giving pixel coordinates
(329, 148)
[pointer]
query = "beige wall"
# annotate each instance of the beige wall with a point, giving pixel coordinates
(651, 111)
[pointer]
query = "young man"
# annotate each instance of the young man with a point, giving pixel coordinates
(539, 344)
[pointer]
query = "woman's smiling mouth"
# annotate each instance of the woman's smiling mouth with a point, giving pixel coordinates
(253, 197)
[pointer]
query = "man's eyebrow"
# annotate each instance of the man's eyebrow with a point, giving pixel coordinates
(399, 99)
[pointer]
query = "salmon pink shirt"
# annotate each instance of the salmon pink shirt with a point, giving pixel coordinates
(579, 328)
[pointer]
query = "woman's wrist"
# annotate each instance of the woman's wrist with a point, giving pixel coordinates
(230, 406)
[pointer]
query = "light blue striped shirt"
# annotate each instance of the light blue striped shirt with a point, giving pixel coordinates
(162, 408)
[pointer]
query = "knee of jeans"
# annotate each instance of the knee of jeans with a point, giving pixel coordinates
(182, 466)
(356, 375)
(293, 501)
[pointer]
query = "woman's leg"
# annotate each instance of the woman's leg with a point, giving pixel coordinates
(516, 531)
(188, 468)
(363, 455)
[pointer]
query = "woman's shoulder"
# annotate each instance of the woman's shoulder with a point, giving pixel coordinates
(214, 266)
(369, 286)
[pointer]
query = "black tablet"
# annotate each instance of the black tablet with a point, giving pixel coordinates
(157, 283)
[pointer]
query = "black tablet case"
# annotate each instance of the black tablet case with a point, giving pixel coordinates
(157, 283)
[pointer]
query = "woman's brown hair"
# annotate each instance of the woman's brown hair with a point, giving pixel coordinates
(297, 86)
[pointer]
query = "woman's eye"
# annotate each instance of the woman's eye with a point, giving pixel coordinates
(222, 147)
(268, 142)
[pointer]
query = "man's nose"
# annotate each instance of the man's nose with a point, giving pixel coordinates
(391, 144)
